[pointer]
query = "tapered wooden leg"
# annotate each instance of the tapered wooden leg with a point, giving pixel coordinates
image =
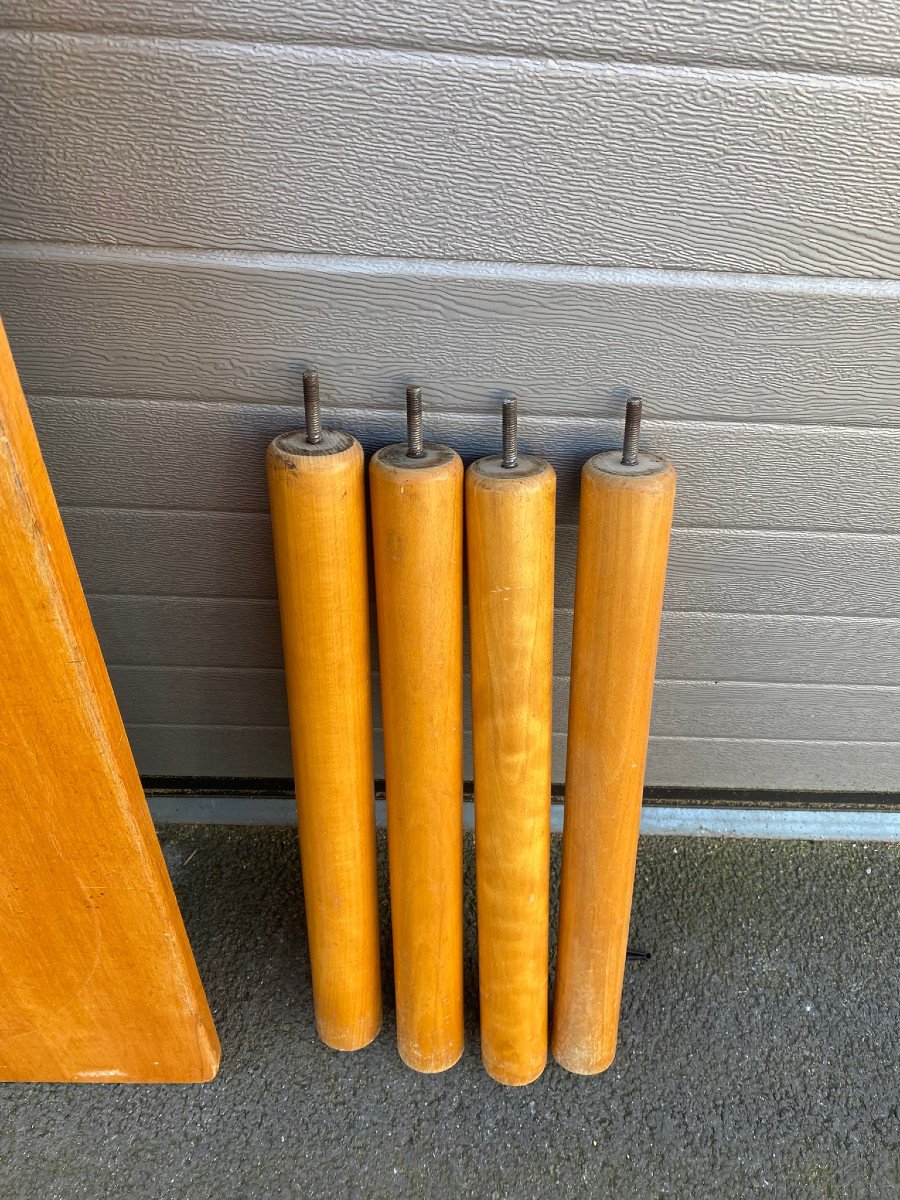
(417, 535)
(510, 514)
(317, 499)
(626, 515)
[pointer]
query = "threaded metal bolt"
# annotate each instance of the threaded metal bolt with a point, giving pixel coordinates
(510, 431)
(632, 432)
(312, 407)
(414, 445)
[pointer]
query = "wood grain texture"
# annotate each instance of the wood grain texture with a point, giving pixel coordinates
(206, 457)
(716, 763)
(510, 518)
(417, 537)
(701, 708)
(735, 347)
(626, 516)
(230, 554)
(735, 170)
(318, 502)
(98, 980)
(829, 35)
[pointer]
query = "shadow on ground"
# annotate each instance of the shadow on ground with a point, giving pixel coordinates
(758, 1054)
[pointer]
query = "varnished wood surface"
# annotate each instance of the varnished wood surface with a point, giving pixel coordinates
(417, 534)
(626, 516)
(510, 519)
(319, 527)
(97, 980)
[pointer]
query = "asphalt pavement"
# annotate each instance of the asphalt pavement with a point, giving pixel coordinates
(759, 1052)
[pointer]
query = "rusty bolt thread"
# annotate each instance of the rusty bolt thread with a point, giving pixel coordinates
(312, 407)
(632, 432)
(415, 447)
(510, 432)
